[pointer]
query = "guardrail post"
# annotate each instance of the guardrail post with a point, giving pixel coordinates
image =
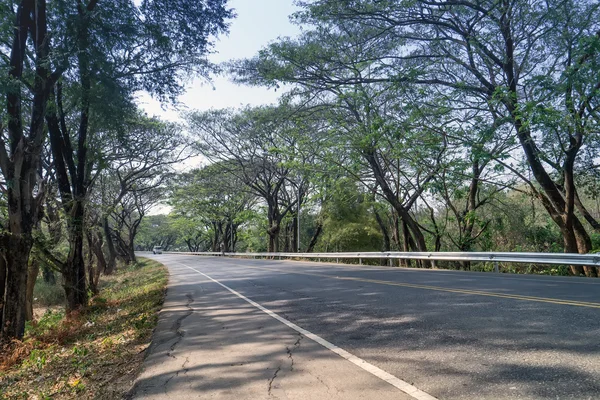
(359, 261)
(337, 260)
(319, 259)
(496, 268)
(433, 264)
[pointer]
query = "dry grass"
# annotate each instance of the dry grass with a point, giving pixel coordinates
(94, 354)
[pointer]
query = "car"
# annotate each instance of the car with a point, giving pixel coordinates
(157, 250)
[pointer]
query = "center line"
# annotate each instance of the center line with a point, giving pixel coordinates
(406, 387)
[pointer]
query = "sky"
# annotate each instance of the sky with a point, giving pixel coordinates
(258, 22)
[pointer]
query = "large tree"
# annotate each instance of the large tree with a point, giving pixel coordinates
(532, 65)
(102, 52)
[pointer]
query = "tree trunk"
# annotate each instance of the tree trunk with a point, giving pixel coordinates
(97, 249)
(17, 259)
(273, 241)
(385, 233)
(406, 244)
(392, 198)
(93, 285)
(74, 273)
(132, 256)
(294, 234)
(2, 285)
(274, 226)
(111, 262)
(315, 237)
(32, 274)
(234, 238)
(560, 206)
(273, 233)
(584, 246)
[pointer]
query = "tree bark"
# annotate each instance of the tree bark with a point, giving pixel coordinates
(407, 243)
(111, 262)
(314, 238)
(391, 197)
(273, 233)
(14, 314)
(32, 274)
(385, 233)
(74, 272)
(2, 285)
(97, 249)
(559, 204)
(20, 166)
(131, 248)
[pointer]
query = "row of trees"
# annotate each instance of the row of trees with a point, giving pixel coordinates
(80, 164)
(450, 123)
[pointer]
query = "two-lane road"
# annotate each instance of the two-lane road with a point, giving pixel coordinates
(238, 328)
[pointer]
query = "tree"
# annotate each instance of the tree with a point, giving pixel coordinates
(158, 230)
(21, 141)
(257, 146)
(115, 53)
(141, 160)
(532, 64)
(374, 117)
(101, 52)
(215, 201)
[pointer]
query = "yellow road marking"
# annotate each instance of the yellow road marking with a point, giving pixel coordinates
(557, 279)
(442, 289)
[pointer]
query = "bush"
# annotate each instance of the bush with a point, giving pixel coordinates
(46, 294)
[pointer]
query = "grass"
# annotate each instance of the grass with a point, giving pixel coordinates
(94, 354)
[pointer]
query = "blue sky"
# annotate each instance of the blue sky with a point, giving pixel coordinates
(258, 22)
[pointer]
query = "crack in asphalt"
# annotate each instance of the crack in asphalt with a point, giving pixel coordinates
(177, 325)
(290, 351)
(324, 383)
(272, 379)
(180, 334)
(185, 371)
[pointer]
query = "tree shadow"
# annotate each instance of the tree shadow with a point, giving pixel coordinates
(451, 345)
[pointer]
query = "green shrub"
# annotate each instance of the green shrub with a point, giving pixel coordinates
(48, 295)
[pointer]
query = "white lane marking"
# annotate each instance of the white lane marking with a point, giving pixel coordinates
(379, 373)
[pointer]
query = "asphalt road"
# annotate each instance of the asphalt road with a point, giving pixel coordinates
(396, 333)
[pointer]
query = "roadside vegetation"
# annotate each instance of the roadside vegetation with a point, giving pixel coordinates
(94, 353)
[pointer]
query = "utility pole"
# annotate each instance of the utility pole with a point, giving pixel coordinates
(298, 220)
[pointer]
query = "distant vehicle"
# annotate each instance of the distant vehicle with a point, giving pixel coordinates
(157, 250)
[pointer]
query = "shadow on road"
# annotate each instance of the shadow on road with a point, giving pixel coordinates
(453, 346)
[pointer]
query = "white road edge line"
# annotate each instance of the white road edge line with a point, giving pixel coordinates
(406, 387)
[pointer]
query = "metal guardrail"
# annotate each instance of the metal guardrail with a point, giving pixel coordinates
(522, 258)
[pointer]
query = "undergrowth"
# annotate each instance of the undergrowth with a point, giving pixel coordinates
(94, 353)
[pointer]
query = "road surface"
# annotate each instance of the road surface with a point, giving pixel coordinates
(269, 329)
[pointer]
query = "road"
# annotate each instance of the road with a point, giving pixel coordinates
(254, 329)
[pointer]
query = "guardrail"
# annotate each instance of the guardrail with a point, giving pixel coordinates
(522, 258)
